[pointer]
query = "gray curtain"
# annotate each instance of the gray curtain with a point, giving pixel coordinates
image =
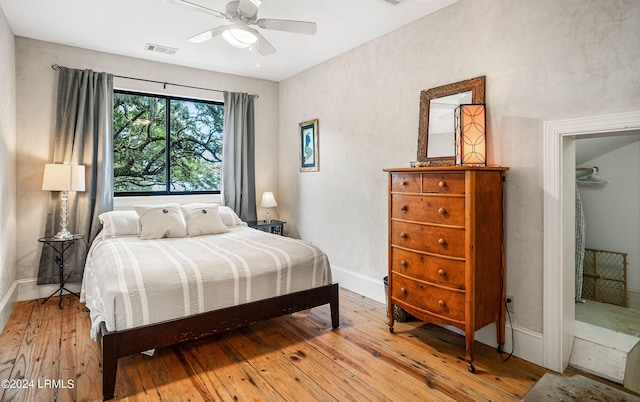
(83, 136)
(581, 230)
(238, 164)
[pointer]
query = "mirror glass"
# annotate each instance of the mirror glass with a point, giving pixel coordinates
(436, 144)
(442, 125)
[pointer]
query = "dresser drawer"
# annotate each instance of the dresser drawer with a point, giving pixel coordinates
(436, 270)
(444, 183)
(431, 209)
(447, 303)
(432, 239)
(406, 183)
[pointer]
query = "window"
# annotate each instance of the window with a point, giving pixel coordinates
(166, 145)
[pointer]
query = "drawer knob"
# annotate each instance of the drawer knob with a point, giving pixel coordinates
(441, 303)
(404, 208)
(442, 211)
(442, 242)
(403, 235)
(403, 263)
(442, 184)
(441, 272)
(403, 183)
(403, 291)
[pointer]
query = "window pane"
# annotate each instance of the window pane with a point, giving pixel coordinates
(139, 143)
(164, 144)
(196, 145)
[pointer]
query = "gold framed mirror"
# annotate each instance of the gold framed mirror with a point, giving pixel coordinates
(436, 144)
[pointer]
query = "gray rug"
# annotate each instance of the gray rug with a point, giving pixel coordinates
(552, 387)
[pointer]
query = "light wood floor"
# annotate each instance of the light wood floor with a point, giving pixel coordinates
(285, 359)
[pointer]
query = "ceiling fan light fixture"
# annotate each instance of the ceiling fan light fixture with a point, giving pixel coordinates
(240, 36)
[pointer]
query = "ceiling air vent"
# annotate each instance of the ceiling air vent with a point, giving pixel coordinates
(160, 48)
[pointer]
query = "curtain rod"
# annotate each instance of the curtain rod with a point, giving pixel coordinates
(56, 67)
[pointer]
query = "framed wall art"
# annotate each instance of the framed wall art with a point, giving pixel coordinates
(309, 146)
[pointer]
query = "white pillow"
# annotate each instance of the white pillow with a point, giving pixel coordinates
(203, 219)
(119, 223)
(163, 220)
(229, 217)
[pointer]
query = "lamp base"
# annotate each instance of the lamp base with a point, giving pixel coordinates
(63, 235)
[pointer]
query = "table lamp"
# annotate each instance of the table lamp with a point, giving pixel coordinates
(268, 201)
(470, 135)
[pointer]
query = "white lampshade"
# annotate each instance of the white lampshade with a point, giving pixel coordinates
(63, 177)
(268, 200)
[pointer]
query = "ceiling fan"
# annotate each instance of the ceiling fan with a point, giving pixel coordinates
(242, 14)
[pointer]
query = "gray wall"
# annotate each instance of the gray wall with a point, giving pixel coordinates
(544, 60)
(7, 169)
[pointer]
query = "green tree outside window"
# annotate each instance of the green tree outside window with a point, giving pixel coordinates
(165, 145)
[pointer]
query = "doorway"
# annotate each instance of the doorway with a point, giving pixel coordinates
(609, 189)
(559, 225)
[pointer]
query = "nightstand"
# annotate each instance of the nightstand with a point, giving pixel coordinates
(275, 227)
(60, 246)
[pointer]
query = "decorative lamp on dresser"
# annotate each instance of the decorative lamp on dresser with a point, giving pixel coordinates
(446, 258)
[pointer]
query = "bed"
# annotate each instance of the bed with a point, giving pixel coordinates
(165, 274)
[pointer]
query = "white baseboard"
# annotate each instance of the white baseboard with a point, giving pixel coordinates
(6, 304)
(361, 284)
(528, 343)
(28, 289)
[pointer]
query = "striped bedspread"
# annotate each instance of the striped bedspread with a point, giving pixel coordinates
(130, 282)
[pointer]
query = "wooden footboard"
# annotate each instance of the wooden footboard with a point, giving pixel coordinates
(131, 341)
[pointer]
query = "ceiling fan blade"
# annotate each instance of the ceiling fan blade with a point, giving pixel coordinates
(206, 35)
(302, 27)
(249, 8)
(264, 47)
(200, 8)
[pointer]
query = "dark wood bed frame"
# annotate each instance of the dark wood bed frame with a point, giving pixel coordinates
(118, 344)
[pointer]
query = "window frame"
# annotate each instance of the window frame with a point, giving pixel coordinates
(168, 99)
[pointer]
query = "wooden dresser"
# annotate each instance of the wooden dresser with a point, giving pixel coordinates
(446, 260)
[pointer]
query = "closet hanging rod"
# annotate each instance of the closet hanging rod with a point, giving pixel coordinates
(56, 67)
(594, 169)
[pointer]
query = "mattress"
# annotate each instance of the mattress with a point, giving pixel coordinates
(129, 282)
